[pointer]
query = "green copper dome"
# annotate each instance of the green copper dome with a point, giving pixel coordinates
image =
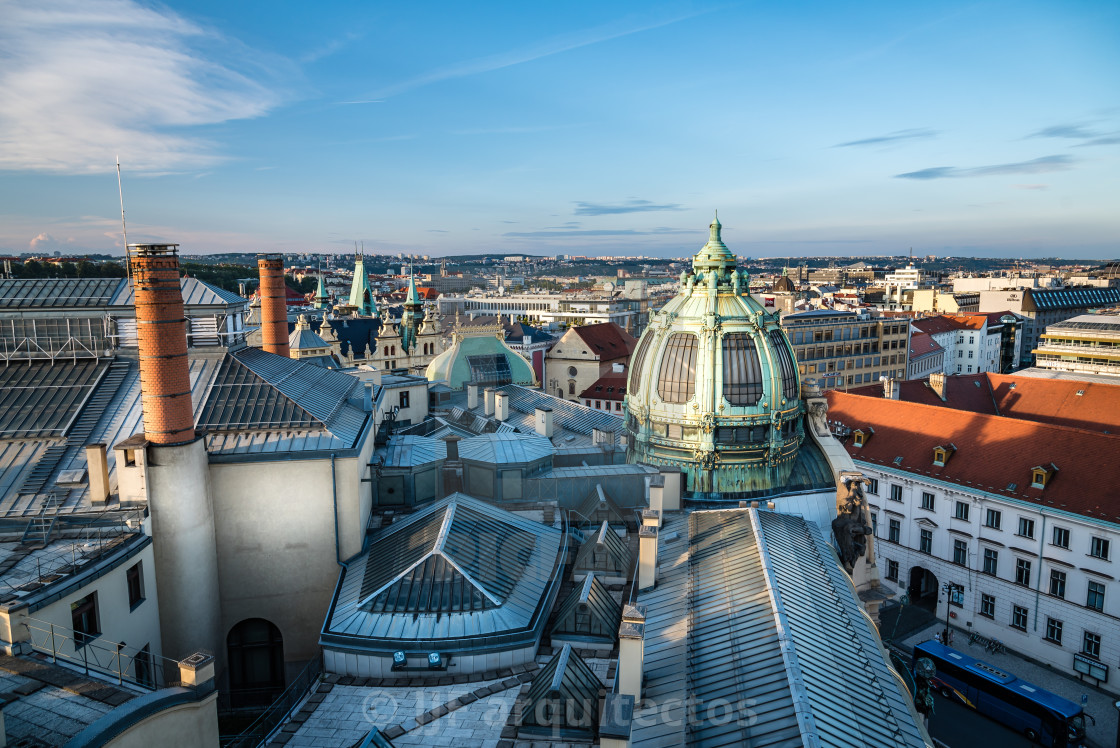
(713, 387)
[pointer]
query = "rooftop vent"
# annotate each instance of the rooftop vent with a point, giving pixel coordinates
(1080, 393)
(898, 460)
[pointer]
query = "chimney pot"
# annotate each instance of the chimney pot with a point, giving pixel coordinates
(501, 406)
(647, 557)
(544, 422)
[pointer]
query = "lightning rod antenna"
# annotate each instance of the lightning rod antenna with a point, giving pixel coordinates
(124, 229)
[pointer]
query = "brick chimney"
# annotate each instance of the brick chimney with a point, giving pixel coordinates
(274, 305)
(161, 330)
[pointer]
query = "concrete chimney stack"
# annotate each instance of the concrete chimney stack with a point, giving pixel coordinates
(937, 382)
(671, 491)
(488, 401)
(631, 651)
(161, 331)
(544, 422)
(98, 468)
(891, 388)
(274, 305)
(647, 557)
(472, 396)
(501, 406)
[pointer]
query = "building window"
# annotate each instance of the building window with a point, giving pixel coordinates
(571, 387)
(1091, 645)
(571, 371)
(988, 605)
(925, 543)
(960, 511)
(993, 518)
(1018, 617)
(1098, 548)
(84, 619)
(892, 570)
(1057, 583)
(677, 378)
(1061, 537)
(873, 486)
(991, 561)
(960, 553)
(894, 530)
(875, 524)
(403, 397)
(1053, 631)
(742, 372)
(1095, 599)
(927, 500)
(1022, 572)
(896, 492)
(134, 577)
(1026, 527)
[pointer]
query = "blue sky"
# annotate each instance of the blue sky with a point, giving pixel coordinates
(816, 128)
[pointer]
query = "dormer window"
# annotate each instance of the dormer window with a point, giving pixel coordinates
(860, 437)
(1042, 474)
(941, 454)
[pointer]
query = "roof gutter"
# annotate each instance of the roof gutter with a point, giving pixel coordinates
(334, 498)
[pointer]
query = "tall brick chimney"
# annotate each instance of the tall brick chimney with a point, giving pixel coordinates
(161, 328)
(274, 305)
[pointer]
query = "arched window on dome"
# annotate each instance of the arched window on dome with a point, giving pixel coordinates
(676, 382)
(780, 346)
(742, 372)
(638, 362)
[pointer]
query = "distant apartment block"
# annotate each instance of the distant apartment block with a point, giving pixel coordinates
(1044, 307)
(1085, 344)
(848, 349)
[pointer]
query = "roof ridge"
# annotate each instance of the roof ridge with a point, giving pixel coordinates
(285, 395)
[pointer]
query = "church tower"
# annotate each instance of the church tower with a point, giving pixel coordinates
(322, 299)
(413, 316)
(361, 295)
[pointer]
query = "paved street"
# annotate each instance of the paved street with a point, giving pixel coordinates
(1102, 734)
(959, 727)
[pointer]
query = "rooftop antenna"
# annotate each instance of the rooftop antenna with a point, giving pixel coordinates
(124, 230)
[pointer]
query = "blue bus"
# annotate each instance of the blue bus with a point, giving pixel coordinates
(1043, 717)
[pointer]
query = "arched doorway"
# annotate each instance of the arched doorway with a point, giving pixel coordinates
(255, 650)
(923, 588)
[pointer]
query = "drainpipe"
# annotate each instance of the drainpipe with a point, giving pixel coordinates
(334, 496)
(1038, 582)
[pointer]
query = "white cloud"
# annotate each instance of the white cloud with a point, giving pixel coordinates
(42, 241)
(82, 81)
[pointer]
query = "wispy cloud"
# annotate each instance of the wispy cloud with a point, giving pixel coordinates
(1072, 131)
(894, 137)
(1031, 186)
(330, 48)
(630, 206)
(1035, 166)
(595, 232)
(84, 80)
(544, 48)
(1079, 131)
(363, 101)
(514, 130)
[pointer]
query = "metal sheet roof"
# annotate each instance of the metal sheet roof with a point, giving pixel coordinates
(565, 414)
(572, 688)
(754, 608)
(505, 448)
(605, 552)
(195, 293)
(40, 400)
(59, 293)
(513, 561)
(305, 407)
(588, 613)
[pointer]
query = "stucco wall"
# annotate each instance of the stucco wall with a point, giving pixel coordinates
(184, 726)
(118, 623)
(275, 525)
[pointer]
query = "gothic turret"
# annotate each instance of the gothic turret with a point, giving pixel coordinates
(413, 316)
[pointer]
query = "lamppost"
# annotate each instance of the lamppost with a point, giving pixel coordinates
(949, 588)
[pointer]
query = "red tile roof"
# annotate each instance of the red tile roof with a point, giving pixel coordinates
(607, 387)
(969, 392)
(922, 344)
(607, 340)
(992, 452)
(936, 325)
(1053, 401)
(1056, 401)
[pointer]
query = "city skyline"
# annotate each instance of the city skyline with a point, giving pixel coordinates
(955, 129)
